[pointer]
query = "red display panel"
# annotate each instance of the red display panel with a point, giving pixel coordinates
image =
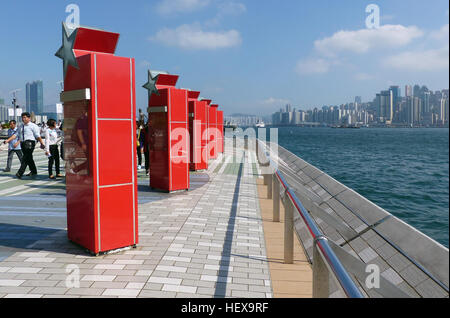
(197, 132)
(169, 136)
(220, 131)
(212, 131)
(100, 148)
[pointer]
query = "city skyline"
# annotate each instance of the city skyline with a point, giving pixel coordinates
(419, 107)
(312, 54)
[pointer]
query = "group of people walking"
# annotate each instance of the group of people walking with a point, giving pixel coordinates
(22, 142)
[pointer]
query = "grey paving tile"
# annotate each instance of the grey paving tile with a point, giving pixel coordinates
(85, 291)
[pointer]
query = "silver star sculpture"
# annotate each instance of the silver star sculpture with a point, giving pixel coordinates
(66, 52)
(151, 85)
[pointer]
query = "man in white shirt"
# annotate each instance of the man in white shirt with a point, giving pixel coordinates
(28, 134)
(14, 145)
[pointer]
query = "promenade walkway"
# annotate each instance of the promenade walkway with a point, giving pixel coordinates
(206, 242)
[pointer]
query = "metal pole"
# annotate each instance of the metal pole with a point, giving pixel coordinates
(276, 198)
(321, 279)
(270, 178)
(288, 232)
(266, 179)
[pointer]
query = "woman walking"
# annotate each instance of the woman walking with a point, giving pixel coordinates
(51, 148)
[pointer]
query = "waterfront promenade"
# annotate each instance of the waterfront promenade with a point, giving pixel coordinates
(217, 239)
(206, 242)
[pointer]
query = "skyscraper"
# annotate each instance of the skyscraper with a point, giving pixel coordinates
(443, 116)
(384, 105)
(416, 91)
(408, 91)
(395, 97)
(35, 97)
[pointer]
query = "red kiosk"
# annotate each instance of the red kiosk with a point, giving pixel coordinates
(169, 140)
(220, 131)
(212, 131)
(99, 146)
(197, 131)
(206, 138)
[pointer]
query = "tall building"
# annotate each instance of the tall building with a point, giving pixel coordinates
(35, 97)
(288, 108)
(358, 99)
(384, 102)
(2, 101)
(395, 98)
(443, 114)
(417, 107)
(416, 91)
(408, 91)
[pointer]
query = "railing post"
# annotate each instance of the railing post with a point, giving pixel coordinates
(321, 279)
(276, 198)
(266, 179)
(288, 231)
(269, 186)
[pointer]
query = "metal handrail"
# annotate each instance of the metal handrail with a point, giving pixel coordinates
(347, 284)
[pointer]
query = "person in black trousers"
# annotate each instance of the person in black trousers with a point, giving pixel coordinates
(28, 134)
(51, 148)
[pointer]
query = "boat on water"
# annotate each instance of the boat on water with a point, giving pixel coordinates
(260, 124)
(346, 126)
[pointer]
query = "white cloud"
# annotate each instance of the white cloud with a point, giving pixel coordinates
(422, 61)
(442, 34)
(167, 7)
(192, 37)
(275, 101)
(314, 65)
(363, 40)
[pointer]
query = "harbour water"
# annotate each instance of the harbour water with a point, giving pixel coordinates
(404, 171)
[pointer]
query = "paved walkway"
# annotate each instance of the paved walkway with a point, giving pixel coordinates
(207, 242)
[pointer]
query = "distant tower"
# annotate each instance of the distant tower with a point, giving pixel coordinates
(35, 97)
(408, 91)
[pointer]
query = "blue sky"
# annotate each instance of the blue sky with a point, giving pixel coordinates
(249, 56)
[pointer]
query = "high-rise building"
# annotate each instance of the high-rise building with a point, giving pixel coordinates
(417, 107)
(408, 91)
(288, 108)
(35, 97)
(416, 91)
(2, 101)
(443, 114)
(358, 99)
(384, 103)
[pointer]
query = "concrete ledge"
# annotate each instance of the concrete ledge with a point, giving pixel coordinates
(427, 252)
